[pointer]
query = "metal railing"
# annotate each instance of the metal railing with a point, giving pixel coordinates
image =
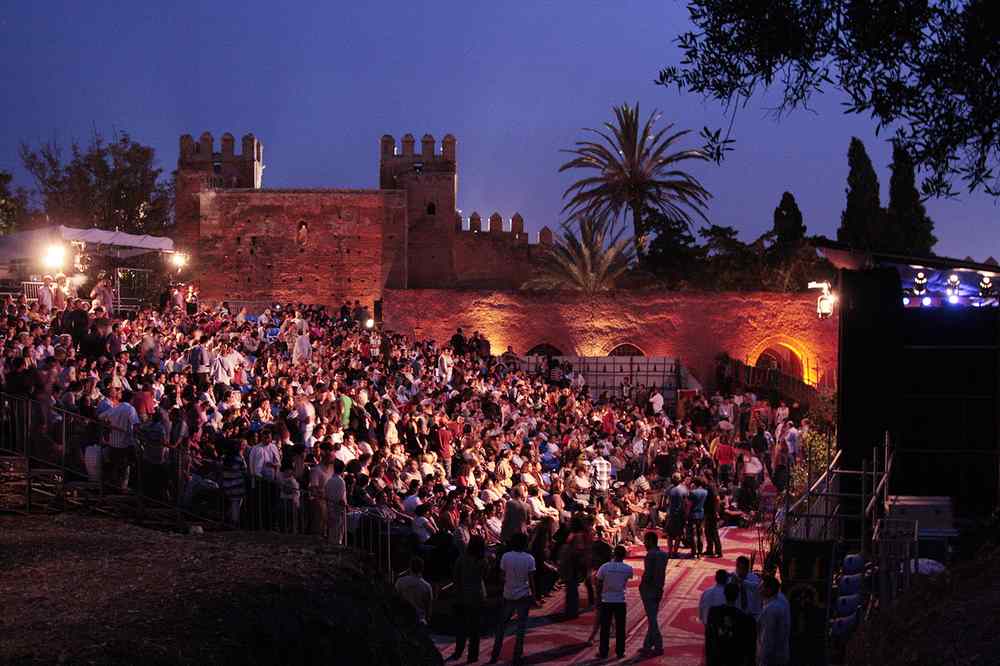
(61, 458)
(754, 377)
(606, 373)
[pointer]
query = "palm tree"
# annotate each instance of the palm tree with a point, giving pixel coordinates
(637, 167)
(591, 263)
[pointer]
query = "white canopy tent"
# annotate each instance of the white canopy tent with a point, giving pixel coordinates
(22, 251)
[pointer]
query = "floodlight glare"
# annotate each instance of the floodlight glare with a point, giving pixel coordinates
(926, 301)
(369, 323)
(179, 259)
(54, 256)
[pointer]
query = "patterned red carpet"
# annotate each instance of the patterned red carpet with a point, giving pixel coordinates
(550, 640)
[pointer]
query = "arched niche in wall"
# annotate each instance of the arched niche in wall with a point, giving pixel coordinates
(544, 349)
(626, 349)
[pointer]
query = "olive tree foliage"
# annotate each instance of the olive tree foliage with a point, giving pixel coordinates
(926, 70)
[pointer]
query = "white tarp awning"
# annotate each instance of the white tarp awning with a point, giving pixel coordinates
(29, 245)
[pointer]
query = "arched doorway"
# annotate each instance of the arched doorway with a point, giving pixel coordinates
(783, 359)
(544, 349)
(626, 350)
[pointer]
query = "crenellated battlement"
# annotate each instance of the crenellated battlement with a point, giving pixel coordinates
(406, 152)
(495, 226)
(203, 150)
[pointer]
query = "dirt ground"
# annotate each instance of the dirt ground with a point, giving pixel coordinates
(85, 590)
(949, 620)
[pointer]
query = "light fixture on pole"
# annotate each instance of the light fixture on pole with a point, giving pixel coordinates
(54, 256)
(827, 299)
(986, 287)
(920, 284)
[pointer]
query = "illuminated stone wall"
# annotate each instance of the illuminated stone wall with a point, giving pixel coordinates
(694, 327)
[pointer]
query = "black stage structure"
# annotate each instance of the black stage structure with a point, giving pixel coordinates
(919, 359)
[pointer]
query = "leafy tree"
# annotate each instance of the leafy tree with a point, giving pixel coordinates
(108, 185)
(674, 255)
(731, 264)
(912, 229)
(13, 204)
(861, 223)
(788, 226)
(928, 68)
(635, 167)
(592, 262)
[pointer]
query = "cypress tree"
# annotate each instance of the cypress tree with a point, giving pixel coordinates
(912, 228)
(861, 223)
(788, 226)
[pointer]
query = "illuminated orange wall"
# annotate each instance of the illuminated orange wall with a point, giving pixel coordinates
(692, 326)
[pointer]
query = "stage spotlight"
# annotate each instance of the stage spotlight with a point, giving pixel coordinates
(369, 323)
(54, 256)
(926, 301)
(920, 283)
(953, 285)
(953, 299)
(906, 296)
(986, 287)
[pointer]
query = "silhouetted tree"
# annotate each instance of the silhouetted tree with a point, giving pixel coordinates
(13, 204)
(912, 230)
(861, 223)
(788, 226)
(674, 255)
(112, 186)
(927, 68)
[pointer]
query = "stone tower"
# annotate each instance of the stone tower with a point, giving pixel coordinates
(200, 168)
(430, 181)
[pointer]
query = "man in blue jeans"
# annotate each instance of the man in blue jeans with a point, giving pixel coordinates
(612, 579)
(518, 594)
(654, 577)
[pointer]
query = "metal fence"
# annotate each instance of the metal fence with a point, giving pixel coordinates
(54, 458)
(736, 372)
(606, 374)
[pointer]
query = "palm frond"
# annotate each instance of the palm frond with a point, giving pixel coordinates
(590, 257)
(632, 165)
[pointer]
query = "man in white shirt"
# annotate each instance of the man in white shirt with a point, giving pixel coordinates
(336, 504)
(656, 400)
(612, 578)
(264, 460)
(713, 596)
(45, 295)
(122, 418)
(518, 594)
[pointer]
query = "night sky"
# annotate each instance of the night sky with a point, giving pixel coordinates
(513, 81)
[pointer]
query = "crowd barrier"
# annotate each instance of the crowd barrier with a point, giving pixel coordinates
(59, 458)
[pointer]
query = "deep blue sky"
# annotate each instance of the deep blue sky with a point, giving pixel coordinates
(320, 82)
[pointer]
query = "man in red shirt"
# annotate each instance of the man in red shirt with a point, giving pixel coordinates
(444, 435)
(143, 401)
(725, 457)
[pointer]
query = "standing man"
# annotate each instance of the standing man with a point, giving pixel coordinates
(712, 597)
(749, 584)
(336, 504)
(654, 577)
(774, 626)
(729, 635)
(677, 500)
(416, 591)
(516, 516)
(518, 568)
(612, 578)
(696, 516)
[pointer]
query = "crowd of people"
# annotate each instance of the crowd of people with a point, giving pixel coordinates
(302, 417)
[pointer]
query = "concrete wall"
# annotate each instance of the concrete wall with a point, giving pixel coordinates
(691, 326)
